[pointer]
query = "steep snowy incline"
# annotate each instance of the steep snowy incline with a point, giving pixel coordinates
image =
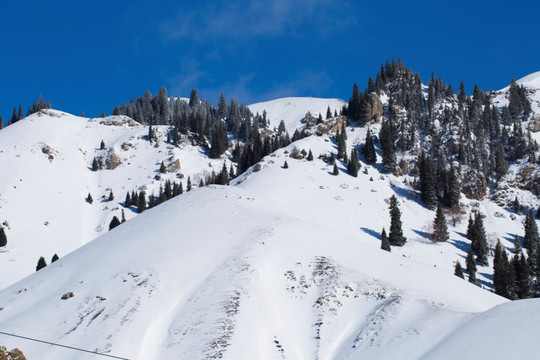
(293, 109)
(220, 272)
(48, 158)
(508, 331)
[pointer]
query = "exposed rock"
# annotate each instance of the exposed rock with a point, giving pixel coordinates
(68, 295)
(534, 125)
(376, 109)
(108, 159)
(174, 166)
(474, 185)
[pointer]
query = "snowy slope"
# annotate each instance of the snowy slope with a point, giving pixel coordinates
(228, 272)
(293, 109)
(284, 263)
(532, 83)
(508, 331)
(42, 195)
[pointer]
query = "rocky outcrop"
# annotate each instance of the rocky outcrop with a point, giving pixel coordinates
(376, 109)
(108, 159)
(474, 185)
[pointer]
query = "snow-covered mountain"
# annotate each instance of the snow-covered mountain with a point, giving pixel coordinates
(282, 263)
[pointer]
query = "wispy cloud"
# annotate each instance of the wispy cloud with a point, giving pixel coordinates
(244, 19)
(247, 88)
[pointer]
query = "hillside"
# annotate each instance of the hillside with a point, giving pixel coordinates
(283, 261)
(247, 271)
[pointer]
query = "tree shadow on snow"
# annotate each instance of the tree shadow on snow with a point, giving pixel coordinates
(373, 233)
(407, 193)
(461, 245)
(423, 234)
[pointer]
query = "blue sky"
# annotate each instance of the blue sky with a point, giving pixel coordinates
(91, 56)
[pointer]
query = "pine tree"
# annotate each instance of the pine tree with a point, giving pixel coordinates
(54, 258)
(328, 113)
(141, 202)
(310, 156)
(114, 223)
(478, 240)
(385, 244)
(188, 188)
(387, 144)
(111, 196)
(162, 168)
(102, 145)
(342, 144)
(523, 277)
(41, 263)
(123, 216)
(532, 237)
(440, 229)
(396, 237)
(500, 271)
(516, 206)
(354, 164)
(336, 170)
(3, 237)
(95, 165)
(454, 188)
(369, 150)
(459, 270)
(102, 115)
(127, 201)
(89, 199)
(428, 181)
(285, 165)
(517, 245)
(471, 267)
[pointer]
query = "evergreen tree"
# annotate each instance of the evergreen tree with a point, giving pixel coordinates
(162, 168)
(54, 258)
(111, 196)
(102, 145)
(89, 199)
(102, 115)
(127, 201)
(123, 216)
(369, 150)
(385, 244)
(532, 237)
(41, 263)
(194, 98)
(354, 164)
(500, 271)
(517, 245)
(285, 165)
(342, 144)
(3, 237)
(440, 229)
(310, 156)
(478, 240)
(516, 206)
(141, 202)
(454, 188)
(396, 237)
(95, 165)
(523, 277)
(188, 188)
(459, 270)
(336, 170)
(114, 223)
(471, 267)
(428, 182)
(387, 144)
(328, 113)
